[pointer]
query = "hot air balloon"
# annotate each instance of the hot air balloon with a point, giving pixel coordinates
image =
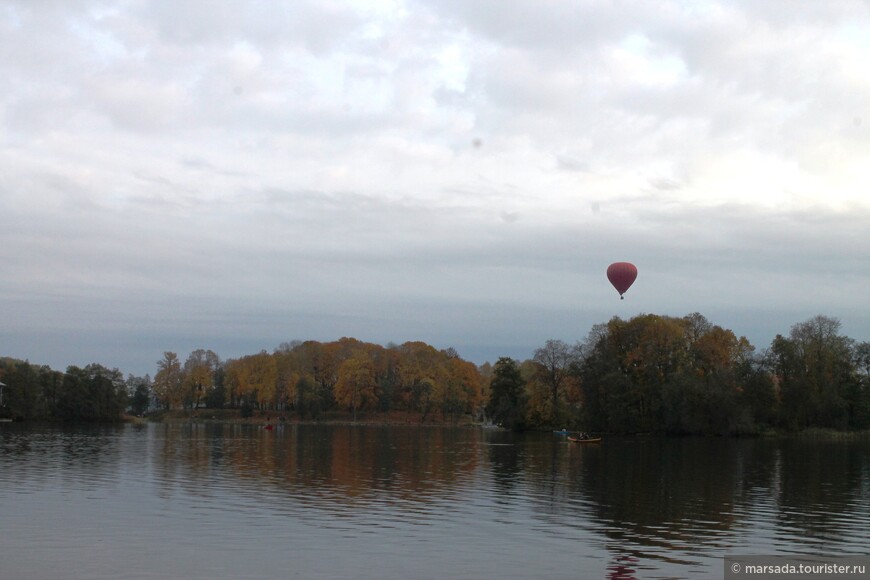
(622, 275)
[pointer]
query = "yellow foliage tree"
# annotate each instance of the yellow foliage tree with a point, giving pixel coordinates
(168, 387)
(356, 384)
(253, 379)
(460, 389)
(199, 371)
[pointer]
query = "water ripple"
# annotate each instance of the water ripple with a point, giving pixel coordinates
(364, 502)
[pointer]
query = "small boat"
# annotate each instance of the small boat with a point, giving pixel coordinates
(585, 440)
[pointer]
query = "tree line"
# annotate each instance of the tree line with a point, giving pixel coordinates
(310, 378)
(661, 374)
(92, 393)
(648, 374)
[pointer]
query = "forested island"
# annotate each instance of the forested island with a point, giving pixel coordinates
(648, 374)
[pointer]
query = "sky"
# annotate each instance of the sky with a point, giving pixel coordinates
(177, 175)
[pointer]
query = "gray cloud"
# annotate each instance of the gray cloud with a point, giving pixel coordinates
(230, 176)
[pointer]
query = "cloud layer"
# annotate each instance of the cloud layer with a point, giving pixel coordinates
(223, 175)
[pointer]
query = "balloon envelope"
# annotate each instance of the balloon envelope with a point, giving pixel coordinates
(622, 275)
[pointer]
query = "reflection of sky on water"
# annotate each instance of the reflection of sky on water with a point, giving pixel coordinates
(228, 501)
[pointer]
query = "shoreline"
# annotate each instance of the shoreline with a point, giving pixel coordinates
(412, 419)
(233, 416)
(415, 419)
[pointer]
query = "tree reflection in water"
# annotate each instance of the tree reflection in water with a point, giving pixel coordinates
(635, 505)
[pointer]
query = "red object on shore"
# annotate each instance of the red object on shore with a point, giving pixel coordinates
(622, 275)
(269, 427)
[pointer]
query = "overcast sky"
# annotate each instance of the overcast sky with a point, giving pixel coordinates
(230, 175)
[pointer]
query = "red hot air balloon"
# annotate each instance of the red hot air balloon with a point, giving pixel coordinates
(622, 275)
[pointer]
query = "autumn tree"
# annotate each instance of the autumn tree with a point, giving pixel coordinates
(307, 401)
(538, 395)
(288, 372)
(460, 391)
(355, 387)
(317, 362)
(200, 369)
(168, 382)
(387, 372)
(421, 374)
(252, 380)
(678, 375)
(485, 373)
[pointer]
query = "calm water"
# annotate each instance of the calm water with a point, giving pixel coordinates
(230, 501)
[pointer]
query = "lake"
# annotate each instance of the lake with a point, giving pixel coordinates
(313, 501)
